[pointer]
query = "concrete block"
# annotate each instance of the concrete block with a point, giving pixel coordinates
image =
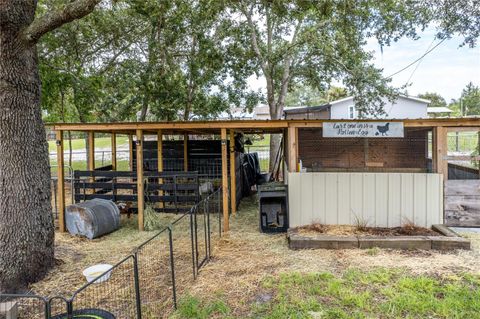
(400, 242)
(450, 243)
(9, 309)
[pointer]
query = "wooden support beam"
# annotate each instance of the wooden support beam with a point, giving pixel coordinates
(91, 151)
(60, 182)
(226, 222)
(140, 190)
(233, 177)
(292, 149)
(440, 151)
(185, 152)
(160, 161)
(130, 152)
(114, 151)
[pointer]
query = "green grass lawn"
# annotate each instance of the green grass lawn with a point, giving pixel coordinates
(82, 165)
(467, 142)
(79, 144)
(382, 293)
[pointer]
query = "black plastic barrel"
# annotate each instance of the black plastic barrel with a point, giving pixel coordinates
(92, 218)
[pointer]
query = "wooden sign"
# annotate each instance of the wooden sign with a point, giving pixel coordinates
(363, 129)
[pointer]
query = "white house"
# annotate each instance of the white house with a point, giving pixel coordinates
(405, 107)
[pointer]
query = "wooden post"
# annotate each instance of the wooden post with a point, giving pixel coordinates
(441, 151)
(60, 182)
(114, 151)
(91, 151)
(130, 152)
(233, 177)
(226, 223)
(160, 161)
(140, 193)
(292, 150)
(185, 152)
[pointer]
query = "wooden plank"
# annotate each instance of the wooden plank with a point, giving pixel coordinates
(463, 129)
(91, 151)
(462, 187)
(185, 152)
(226, 222)
(61, 182)
(140, 188)
(114, 151)
(292, 150)
(441, 165)
(233, 175)
(248, 124)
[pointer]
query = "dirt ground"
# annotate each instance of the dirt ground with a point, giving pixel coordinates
(244, 257)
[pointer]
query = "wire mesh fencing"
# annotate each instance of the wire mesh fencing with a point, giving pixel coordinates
(146, 283)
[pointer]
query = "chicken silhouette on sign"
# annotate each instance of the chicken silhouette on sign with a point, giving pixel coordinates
(383, 129)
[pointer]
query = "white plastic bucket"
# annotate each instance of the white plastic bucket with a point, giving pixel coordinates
(91, 273)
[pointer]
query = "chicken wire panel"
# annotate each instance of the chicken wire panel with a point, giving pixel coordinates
(113, 292)
(155, 277)
(362, 154)
(31, 307)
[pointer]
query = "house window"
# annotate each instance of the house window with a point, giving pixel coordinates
(351, 112)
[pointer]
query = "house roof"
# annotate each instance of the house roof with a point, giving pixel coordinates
(408, 97)
(303, 109)
(438, 109)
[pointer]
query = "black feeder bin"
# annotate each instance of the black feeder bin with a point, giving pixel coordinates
(273, 207)
(87, 314)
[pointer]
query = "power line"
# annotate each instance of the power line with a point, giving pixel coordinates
(419, 62)
(409, 65)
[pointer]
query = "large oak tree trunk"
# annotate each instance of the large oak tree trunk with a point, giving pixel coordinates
(26, 224)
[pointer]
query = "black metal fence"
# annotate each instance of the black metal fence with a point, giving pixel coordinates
(145, 283)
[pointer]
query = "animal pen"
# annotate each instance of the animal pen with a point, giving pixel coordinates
(385, 172)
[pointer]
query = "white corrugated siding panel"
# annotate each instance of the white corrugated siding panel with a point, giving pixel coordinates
(380, 199)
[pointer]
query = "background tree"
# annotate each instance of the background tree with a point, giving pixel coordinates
(315, 42)
(304, 95)
(436, 100)
(469, 102)
(26, 225)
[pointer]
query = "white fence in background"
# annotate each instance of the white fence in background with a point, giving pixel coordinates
(380, 199)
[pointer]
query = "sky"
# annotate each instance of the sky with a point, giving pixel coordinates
(446, 70)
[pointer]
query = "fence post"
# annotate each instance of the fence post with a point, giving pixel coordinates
(172, 267)
(137, 286)
(70, 309)
(48, 315)
(192, 242)
(207, 211)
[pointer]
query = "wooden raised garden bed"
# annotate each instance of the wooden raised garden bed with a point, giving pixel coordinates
(347, 237)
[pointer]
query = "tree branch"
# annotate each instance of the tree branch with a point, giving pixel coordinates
(254, 39)
(52, 20)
